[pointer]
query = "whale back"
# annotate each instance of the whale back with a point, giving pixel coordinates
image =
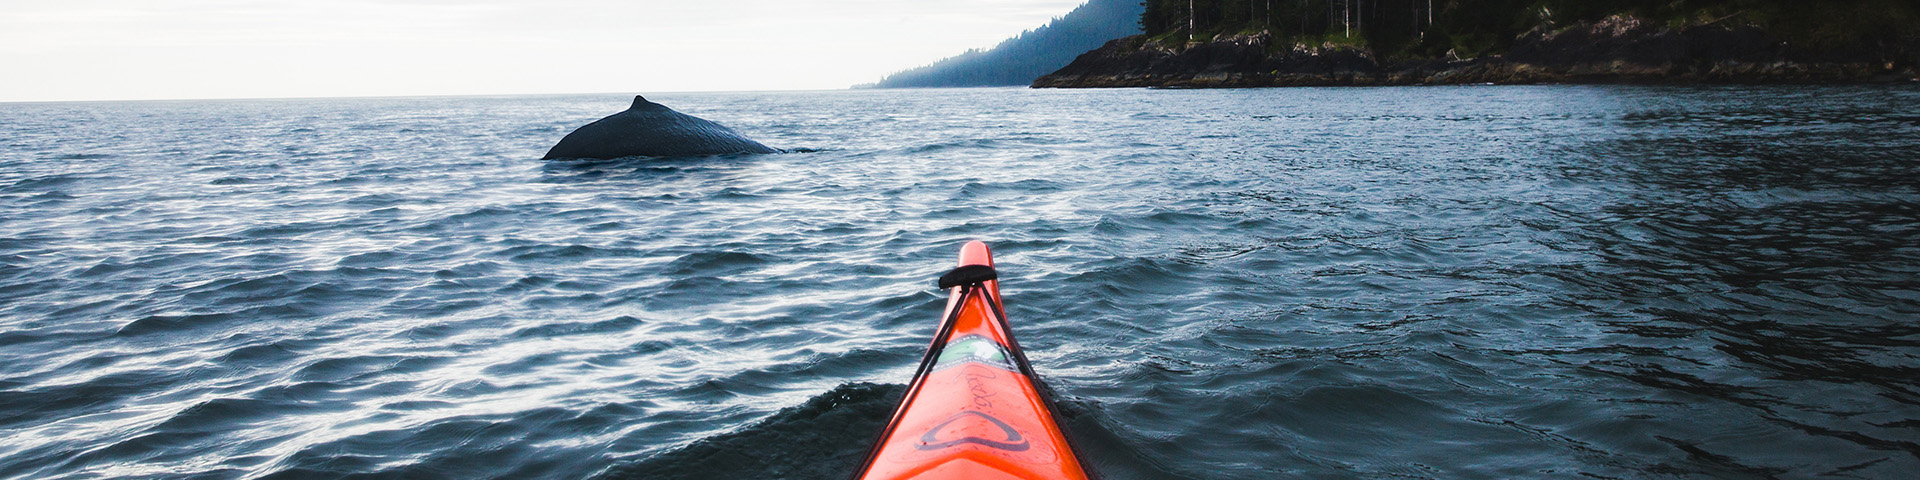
(652, 130)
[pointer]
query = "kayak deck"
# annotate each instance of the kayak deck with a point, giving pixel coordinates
(974, 409)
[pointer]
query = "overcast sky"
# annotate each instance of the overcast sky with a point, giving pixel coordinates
(164, 49)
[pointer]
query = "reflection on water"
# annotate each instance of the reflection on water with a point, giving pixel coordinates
(1447, 282)
(1768, 257)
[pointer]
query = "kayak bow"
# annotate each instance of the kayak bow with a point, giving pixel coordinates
(974, 409)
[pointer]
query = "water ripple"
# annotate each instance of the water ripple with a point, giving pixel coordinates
(1510, 282)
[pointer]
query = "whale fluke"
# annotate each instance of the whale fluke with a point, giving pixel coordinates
(649, 129)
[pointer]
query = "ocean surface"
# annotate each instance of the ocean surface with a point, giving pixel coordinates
(1438, 282)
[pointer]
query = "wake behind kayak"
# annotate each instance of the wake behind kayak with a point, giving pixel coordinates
(974, 409)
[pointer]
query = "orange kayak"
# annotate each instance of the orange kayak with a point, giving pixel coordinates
(974, 409)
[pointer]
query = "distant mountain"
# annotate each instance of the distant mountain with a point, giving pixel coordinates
(1019, 60)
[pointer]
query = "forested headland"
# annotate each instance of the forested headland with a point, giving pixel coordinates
(1018, 60)
(1357, 42)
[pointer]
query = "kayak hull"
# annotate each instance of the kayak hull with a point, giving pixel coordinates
(974, 409)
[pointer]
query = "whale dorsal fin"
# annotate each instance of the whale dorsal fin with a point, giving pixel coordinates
(641, 103)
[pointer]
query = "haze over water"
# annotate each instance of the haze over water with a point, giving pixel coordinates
(1474, 282)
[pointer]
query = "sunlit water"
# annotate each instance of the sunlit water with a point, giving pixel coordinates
(1479, 282)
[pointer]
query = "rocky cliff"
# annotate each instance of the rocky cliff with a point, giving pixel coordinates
(1617, 49)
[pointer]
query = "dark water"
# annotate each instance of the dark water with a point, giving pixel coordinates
(1498, 282)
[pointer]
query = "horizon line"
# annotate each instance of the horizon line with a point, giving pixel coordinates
(398, 96)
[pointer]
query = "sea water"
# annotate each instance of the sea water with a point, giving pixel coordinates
(1440, 282)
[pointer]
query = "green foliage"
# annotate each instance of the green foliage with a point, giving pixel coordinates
(1474, 27)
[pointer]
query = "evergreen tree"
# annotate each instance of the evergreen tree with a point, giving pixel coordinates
(1479, 26)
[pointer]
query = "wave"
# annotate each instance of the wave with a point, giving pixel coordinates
(824, 438)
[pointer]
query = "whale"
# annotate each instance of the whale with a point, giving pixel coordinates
(649, 129)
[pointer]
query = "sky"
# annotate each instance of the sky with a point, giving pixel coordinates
(57, 50)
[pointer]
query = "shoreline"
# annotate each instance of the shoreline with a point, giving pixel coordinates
(1618, 50)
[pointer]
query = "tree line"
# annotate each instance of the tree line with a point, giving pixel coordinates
(1476, 26)
(1018, 60)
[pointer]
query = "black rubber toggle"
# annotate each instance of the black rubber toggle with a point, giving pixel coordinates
(967, 275)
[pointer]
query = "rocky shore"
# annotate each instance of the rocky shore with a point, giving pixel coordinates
(1617, 49)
